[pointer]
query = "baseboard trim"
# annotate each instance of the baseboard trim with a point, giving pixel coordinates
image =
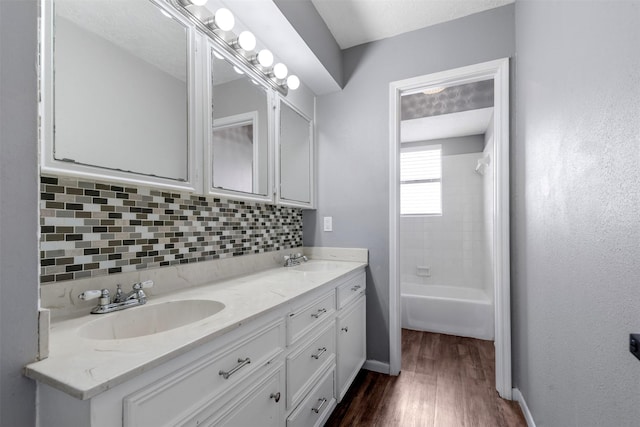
(523, 405)
(376, 366)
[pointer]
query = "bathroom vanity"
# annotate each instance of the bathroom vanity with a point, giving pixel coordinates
(281, 348)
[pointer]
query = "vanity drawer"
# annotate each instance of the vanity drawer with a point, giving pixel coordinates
(351, 289)
(178, 394)
(304, 320)
(255, 402)
(317, 406)
(305, 365)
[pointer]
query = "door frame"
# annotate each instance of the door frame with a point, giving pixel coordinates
(498, 70)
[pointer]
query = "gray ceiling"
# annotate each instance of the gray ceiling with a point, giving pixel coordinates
(453, 99)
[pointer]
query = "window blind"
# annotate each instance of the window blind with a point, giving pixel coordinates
(421, 181)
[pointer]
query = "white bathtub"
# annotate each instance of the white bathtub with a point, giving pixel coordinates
(466, 312)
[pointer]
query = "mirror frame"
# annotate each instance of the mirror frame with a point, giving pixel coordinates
(208, 128)
(312, 161)
(50, 165)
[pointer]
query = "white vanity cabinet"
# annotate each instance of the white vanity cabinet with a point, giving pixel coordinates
(286, 367)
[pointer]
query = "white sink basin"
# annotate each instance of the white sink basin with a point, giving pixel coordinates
(317, 266)
(149, 319)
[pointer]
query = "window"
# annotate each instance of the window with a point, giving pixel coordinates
(421, 180)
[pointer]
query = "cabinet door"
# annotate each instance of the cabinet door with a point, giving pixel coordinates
(352, 344)
(263, 406)
(295, 158)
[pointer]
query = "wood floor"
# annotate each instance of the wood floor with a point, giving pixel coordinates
(446, 381)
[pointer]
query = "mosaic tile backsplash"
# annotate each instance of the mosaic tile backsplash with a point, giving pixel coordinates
(92, 228)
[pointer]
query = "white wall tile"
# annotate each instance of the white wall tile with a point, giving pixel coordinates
(453, 245)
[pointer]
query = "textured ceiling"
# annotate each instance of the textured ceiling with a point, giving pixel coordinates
(454, 99)
(353, 22)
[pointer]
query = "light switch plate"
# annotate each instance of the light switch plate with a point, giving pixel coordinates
(328, 223)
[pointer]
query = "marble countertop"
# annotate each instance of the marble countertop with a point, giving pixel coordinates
(85, 367)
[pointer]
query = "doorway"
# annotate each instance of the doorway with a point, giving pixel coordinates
(498, 71)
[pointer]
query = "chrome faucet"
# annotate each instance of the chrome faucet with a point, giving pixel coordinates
(294, 259)
(120, 300)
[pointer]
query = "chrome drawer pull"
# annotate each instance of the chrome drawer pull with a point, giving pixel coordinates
(275, 396)
(241, 362)
(317, 410)
(355, 288)
(319, 313)
(346, 329)
(320, 351)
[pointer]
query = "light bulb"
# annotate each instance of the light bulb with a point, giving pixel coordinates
(293, 82)
(433, 90)
(265, 58)
(280, 70)
(224, 19)
(198, 2)
(247, 41)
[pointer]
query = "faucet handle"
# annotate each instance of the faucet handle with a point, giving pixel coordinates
(103, 295)
(143, 285)
(89, 295)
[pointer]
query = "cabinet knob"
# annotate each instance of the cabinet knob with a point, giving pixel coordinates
(275, 396)
(346, 329)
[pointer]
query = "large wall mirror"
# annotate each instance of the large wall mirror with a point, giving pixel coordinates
(119, 80)
(239, 137)
(295, 157)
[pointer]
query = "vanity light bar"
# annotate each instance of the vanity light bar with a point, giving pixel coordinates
(241, 47)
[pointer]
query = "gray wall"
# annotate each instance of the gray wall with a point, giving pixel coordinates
(353, 141)
(18, 210)
(576, 211)
(306, 20)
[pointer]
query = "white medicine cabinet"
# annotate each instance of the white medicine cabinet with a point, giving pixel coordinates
(133, 92)
(294, 157)
(239, 131)
(118, 92)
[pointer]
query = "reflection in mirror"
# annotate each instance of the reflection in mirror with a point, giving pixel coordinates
(234, 139)
(295, 155)
(121, 87)
(240, 138)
